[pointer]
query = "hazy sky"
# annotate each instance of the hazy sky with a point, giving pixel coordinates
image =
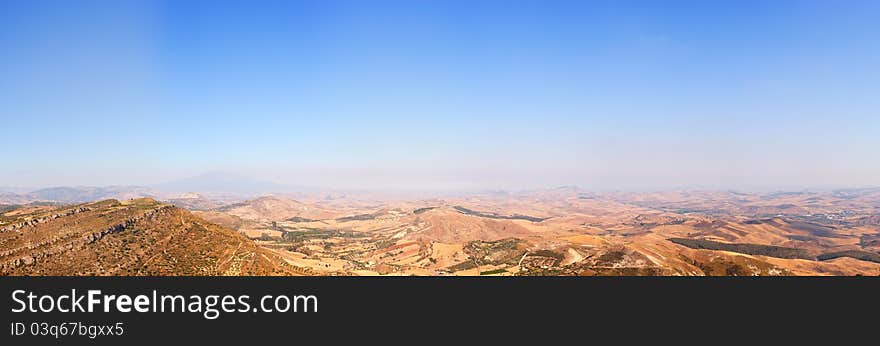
(442, 94)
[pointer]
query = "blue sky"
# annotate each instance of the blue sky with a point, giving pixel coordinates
(442, 94)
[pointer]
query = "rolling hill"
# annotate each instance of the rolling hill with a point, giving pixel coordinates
(134, 237)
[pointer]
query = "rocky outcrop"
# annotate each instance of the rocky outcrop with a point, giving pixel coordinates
(39, 220)
(133, 237)
(56, 245)
(93, 237)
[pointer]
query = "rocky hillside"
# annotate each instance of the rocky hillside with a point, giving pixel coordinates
(135, 237)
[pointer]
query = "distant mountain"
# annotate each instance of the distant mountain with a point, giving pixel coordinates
(65, 194)
(222, 183)
(88, 194)
(14, 190)
(855, 193)
(195, 201)
(12, 198)
(277, 209)
(213, 185)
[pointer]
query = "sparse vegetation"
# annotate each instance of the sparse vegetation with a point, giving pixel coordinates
(751, 249)
(494, 271)
(422, 210)
(467, 211)
(313, 233)
(857, 254)
(360, 217)
(300, 219)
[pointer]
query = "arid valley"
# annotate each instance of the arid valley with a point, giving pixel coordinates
(560, 231)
